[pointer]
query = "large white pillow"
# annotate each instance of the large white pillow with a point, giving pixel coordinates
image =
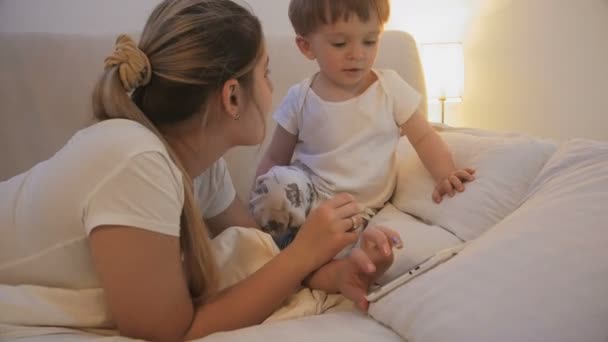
(540, 275)
(420, 240)
(505, 164)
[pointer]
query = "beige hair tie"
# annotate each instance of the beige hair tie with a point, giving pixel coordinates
(133, 65)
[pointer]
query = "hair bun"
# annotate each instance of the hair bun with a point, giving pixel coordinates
(133, 65)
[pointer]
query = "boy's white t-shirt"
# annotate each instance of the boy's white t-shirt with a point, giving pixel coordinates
(351, 145)
(115, 172)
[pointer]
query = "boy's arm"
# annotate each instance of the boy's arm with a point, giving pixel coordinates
(435, 156)
(235, 215)
(431, 149)
(279, 152)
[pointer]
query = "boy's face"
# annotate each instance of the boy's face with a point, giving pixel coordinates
(345, 50)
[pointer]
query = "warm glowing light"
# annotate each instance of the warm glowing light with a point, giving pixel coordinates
(443, 69)
(431, 21)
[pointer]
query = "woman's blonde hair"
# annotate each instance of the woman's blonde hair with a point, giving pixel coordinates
(187, 51)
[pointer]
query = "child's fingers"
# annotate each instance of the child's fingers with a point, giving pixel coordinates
(451, 184)
(446, 187)
(393, 237)
(437, 196)
(378, 239)
(363, 305)
(362, 260)
(466, 175)
(456, 183)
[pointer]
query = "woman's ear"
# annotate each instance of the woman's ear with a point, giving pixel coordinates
(232, 98)
(304, 46)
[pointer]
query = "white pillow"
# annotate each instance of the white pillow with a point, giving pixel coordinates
(506, 165)
(540, 275)
(420, 240)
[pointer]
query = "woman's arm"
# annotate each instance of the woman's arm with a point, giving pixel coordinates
(279, 152)
(251, 301)
(146, 289)
(148, 294)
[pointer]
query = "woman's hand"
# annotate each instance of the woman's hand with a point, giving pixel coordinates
(453, 182)
(366, 264)
(327, 230)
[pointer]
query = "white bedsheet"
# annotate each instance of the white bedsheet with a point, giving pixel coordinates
(331, 327)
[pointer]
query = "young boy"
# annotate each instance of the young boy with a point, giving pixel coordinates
(338, 130)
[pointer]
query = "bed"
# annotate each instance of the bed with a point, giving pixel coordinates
(535, 268)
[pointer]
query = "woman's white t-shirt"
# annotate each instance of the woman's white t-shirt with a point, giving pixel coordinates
(116, 172)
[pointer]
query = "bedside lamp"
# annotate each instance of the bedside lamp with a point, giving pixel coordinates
(443, 65)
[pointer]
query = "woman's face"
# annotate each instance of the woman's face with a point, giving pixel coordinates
(258, 108)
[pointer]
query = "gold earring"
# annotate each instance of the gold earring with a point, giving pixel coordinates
(237, 116)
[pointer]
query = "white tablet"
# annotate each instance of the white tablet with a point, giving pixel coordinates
(437, 259)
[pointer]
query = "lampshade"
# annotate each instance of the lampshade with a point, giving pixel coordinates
(443, 65)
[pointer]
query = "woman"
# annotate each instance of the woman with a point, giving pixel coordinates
(127, 220)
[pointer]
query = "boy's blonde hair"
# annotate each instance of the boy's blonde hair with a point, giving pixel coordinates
(307, 15)
(188, 50)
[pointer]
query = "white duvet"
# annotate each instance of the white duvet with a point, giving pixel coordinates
(541, 274)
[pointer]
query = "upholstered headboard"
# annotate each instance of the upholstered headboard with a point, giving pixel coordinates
(46, 82)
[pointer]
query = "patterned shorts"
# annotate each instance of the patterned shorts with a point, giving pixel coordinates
(282, 199)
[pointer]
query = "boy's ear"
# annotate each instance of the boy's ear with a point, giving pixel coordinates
(304, 46)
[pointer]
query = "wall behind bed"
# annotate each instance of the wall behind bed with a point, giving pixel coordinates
(537, 66)
(107, 16)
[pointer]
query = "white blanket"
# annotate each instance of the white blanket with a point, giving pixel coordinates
(34, 310)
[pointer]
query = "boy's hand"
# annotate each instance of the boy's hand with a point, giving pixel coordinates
(327, 230)
(453, 182)
(366, 263)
